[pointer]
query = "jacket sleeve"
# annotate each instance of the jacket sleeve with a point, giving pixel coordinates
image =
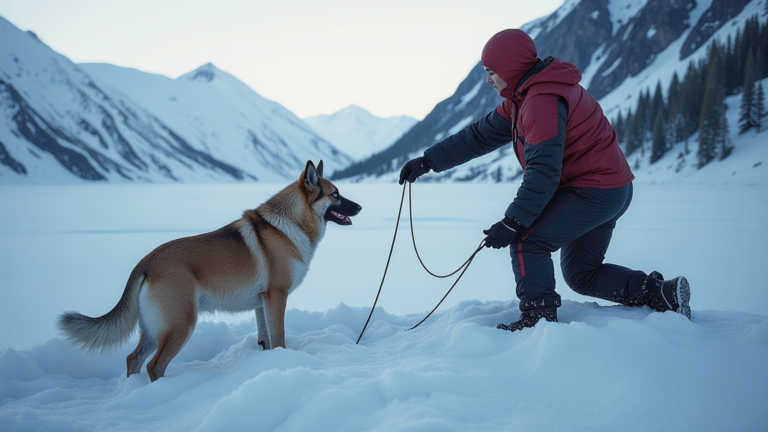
(484, 136)
(544, 121)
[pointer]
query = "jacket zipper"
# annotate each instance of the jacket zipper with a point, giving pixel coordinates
(515, 136)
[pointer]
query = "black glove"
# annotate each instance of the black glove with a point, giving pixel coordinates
(502, 233)
(414, 169)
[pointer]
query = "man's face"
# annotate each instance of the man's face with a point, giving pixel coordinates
(495, 80)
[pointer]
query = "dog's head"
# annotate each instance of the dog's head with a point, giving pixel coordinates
(324, 196)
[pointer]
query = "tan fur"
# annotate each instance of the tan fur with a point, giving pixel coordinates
(252, 263)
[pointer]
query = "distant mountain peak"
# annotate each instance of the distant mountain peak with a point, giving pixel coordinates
(204, 74)
(353, 107)
(359, 133)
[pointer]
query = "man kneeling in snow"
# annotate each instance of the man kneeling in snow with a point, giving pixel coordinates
(576, 184)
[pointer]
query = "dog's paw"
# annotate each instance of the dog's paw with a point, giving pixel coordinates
(263, 345)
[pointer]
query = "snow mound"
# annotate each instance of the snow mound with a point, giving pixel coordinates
(455, 372)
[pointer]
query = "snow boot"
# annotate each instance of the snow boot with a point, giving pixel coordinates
(664, 295)
(529, 318)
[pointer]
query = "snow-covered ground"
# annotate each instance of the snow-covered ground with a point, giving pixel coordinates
(602, 367)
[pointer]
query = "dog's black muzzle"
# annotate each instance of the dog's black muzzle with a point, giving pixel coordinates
(341, 212)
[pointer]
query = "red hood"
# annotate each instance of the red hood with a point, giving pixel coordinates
(511, 54)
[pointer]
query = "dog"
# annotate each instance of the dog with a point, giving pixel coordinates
(251, 264)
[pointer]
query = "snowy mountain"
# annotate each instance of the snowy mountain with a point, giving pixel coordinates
(359, 133)
(472, 100)
(620, 46)
(62, 122)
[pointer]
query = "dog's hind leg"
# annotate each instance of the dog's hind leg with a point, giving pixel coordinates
(261, 324)
(275, 303)
(146, 345)
(176, 327)
(169, 345)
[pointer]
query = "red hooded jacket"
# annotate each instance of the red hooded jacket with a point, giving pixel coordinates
(591, 154)
(561, 136)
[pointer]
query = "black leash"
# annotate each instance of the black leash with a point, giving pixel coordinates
(464, 266)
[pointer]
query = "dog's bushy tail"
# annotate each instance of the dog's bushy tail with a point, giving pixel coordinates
(104, 333)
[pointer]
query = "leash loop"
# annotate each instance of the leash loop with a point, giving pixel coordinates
(463, 268)
(389, 258)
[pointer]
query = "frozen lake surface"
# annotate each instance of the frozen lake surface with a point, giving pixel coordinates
(603, 367)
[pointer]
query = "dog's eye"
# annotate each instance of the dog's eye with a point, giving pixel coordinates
(335, 195)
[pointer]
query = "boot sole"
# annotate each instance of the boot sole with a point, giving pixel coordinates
(684, 297)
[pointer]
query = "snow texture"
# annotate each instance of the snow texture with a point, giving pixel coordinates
(602, 367)
(622, 11)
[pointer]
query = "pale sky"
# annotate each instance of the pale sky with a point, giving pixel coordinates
(390, 57)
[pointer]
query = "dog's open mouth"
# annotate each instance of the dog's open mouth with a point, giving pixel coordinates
(339, 218)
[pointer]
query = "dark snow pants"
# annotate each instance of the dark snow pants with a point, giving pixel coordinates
(580, 222)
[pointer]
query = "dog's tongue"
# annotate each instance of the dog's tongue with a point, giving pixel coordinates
(343, 218)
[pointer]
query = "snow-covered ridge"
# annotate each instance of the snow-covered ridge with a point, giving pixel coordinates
(357, 132)
(622, 12)
(63, 122)
(414, 380)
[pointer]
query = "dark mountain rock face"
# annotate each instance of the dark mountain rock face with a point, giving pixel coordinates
(577, 36)
(40, 134)
(8, 160)
(87, 162)
(637, 42)
(718, 14)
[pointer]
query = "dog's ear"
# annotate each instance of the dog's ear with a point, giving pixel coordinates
(310, 175)
(320, 168)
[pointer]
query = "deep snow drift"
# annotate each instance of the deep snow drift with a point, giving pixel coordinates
(603, 367)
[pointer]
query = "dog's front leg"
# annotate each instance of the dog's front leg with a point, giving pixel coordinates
(275, 302)
(261, 323)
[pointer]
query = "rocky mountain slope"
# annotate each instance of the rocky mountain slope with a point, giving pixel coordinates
(63, 122)
(621, 46)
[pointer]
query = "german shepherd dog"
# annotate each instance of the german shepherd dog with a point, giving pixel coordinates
(251, 264)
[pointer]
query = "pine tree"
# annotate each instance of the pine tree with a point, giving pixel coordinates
(674, 114)
(633, 133)
(750, 42)
(763, 51)
(747, 114)
(731, 67)
(619, 127)
(692, 96)
(497, 174)
(760, 105)
(761, 63)
(710, 120)
(657, 102)
(708, 129)
(726, 145)
(659, 141)
(686, 121)
(644, 119)
(673, 95)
